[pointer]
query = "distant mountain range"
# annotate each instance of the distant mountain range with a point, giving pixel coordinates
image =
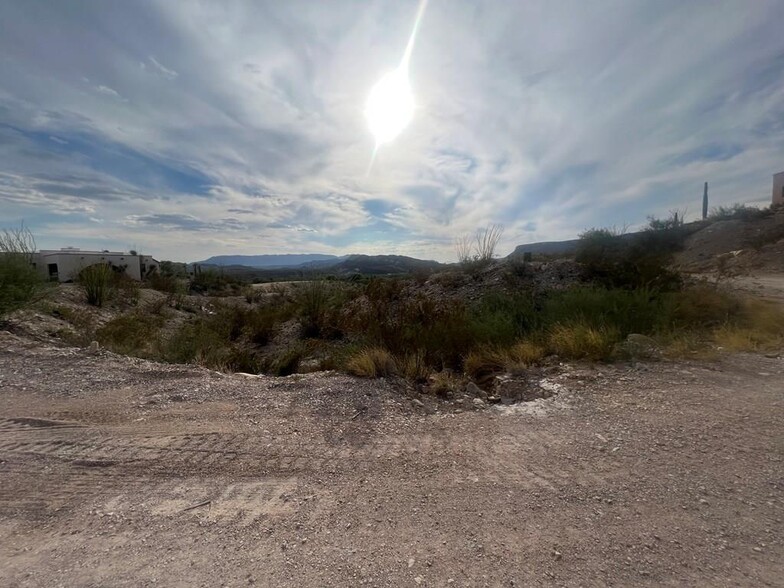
(294, 265)
(271, 261)
(547, 248)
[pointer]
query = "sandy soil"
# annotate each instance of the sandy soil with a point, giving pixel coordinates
(121, 472)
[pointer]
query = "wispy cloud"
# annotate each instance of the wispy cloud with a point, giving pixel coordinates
(157, 67)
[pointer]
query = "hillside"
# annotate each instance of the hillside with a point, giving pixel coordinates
(268, 261)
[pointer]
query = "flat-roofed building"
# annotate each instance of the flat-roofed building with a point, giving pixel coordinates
(64, 265)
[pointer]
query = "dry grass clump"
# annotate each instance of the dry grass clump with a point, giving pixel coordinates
(759, 327)
(524, 354)
(372, 362)
(445, 384)
(484, 363)
(580, 341)
(414, 366)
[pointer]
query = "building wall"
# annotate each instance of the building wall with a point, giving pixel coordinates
(778, 188)
(71, 262)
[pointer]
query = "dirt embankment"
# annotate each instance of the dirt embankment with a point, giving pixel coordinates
(123, 472)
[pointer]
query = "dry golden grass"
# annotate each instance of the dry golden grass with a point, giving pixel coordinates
(525, 354)
(759, 327)
(687, 344)
(579, 341)
(373, 362)
(481, 364)
(445, 383)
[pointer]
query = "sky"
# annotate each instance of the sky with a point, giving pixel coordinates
(193, 128)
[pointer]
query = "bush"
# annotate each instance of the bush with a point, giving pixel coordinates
(738, 212)
(373, 362)
(134, 333)
(317, 303)
(97, 282)
(215, 283)
(581, 341)
(166, 283)
(630, 261)
(445, 384)
(476, 253)
(484, 363)
(20, 283)
(524, 354)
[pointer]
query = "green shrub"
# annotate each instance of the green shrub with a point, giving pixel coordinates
(630, 261)
(582, 341)
(136, 333)
(20, 283)
(738, 212)
(97, 281)
(166, 283)
(215, 283)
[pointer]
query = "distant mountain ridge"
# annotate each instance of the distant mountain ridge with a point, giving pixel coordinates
(567, 247)
(271, 261)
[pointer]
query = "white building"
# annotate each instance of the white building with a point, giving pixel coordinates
(778, 188)
(64, 265)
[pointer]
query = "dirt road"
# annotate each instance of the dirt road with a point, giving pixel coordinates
(122, 472)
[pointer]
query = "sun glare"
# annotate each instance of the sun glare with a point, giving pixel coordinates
(390, 106)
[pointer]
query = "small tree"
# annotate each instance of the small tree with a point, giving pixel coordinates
(20, 283)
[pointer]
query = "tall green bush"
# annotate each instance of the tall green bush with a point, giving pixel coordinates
(20, 283)
(97, 281)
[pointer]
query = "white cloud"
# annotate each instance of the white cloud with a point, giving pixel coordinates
(548, 118)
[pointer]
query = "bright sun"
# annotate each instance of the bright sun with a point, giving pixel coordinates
(390, 106)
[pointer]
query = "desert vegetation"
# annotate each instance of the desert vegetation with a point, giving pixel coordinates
(20, 283)
(478, 319)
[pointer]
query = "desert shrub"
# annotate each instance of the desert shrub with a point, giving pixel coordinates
(285, 362)
(215, 283)
(629, 311)
(757, 326)
(97, 281)
(524, 354)
(315, 301)
(372, 362)
(700, 307)
(502, 318)
(133, 333)
(413, 366)
(475, 253)
(463, 246)
(483, 363)
(414, 323)
(20, 283)
(445, 384)
(674, 221)
(230, 337)
(581, 341)
(165, 282)
(172, 269)
(198, 341)
(738, 212)
(127, 289)
(767, 236)
(630, 261)
(253, 295)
